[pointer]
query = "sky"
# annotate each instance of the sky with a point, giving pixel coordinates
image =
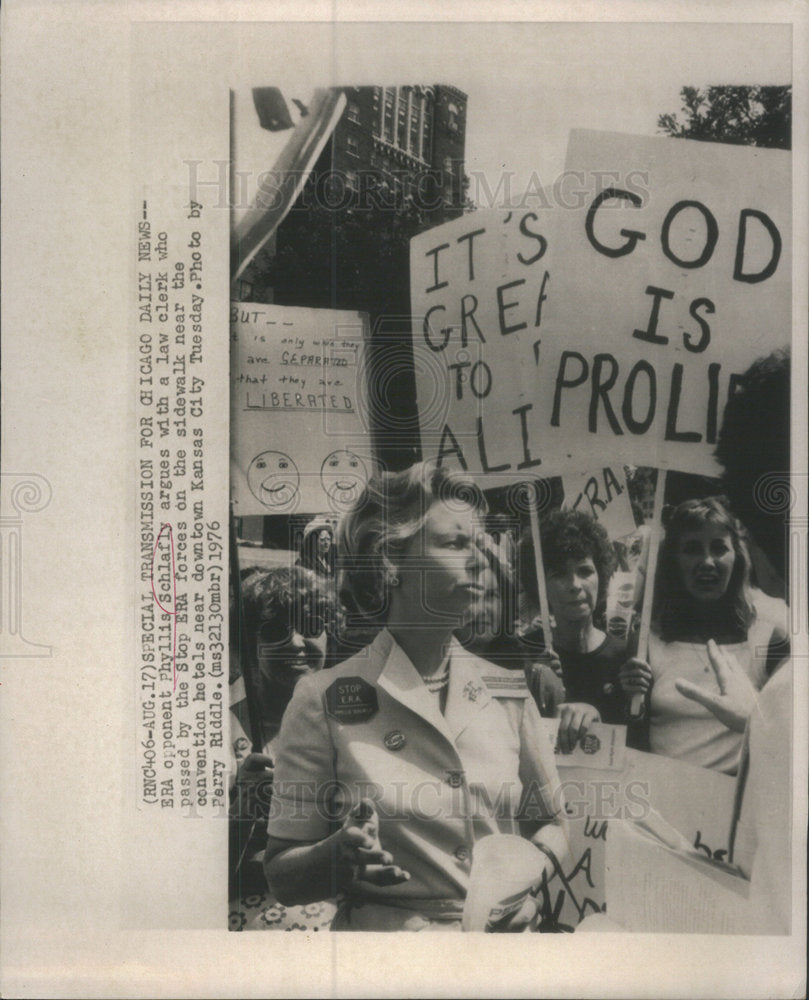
(528, 83)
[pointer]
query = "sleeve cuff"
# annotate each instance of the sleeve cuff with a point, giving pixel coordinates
(295, 818)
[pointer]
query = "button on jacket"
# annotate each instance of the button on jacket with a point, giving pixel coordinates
(370, 728)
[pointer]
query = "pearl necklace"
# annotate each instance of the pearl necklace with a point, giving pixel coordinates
(438, 681)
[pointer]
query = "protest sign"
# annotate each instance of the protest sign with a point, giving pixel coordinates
(654, 886)
(478, 287)
(677, 288)
(696, 801)
(603, 495)
(300, 440)
(613, 322)
(620, 499)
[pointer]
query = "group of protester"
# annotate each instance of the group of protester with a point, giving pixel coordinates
(438, 678)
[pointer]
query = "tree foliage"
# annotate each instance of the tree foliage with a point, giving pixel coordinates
(751, 116)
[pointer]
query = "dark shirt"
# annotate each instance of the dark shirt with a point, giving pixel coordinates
(593, 678)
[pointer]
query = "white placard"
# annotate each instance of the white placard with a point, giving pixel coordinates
(609, 325)
(300, 440)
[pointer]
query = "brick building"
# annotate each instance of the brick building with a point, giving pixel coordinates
(402, 142)
(394, 149)
(393, 167)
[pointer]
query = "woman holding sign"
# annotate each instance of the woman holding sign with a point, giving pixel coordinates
(579, 560)
(703, 593)
(393, 765)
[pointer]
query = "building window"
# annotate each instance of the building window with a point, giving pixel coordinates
(352, 146)
(452, 116)
(401, 125)
(353, 114)
(388, 123)
(414, 131)
(352, 181)
(427, 135)
(377, 99)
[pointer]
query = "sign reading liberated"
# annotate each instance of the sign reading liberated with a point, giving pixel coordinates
(614, 325)
(300, 440)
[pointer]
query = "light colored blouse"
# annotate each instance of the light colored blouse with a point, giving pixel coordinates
(684, 729)
(370, 727)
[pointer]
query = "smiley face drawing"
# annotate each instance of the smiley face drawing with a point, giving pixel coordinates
(343, 475)
(273, 479)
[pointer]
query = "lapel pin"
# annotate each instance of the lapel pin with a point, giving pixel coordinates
(472, 691)
(395, 739)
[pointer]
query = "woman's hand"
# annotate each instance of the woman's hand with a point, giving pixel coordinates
(635, 676)
(299, 872)
(549, 657)
(737, 696)
(575, 718)
(360, 851)
(254, 767)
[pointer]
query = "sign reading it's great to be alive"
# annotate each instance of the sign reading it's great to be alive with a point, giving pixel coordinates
(610, 318)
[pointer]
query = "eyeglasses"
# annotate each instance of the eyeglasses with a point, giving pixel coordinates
(278, 630)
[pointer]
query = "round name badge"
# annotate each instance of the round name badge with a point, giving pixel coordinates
(395, 739)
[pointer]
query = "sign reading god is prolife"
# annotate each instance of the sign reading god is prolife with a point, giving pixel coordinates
(610, 318)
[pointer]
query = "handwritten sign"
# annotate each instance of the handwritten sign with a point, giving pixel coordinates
(300, 438)
(603, 495)
(608, 495)
(696, 801)
(656, 886)
(614, 325)
(479, 290)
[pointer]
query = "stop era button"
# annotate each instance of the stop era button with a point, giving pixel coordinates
(350, 700)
